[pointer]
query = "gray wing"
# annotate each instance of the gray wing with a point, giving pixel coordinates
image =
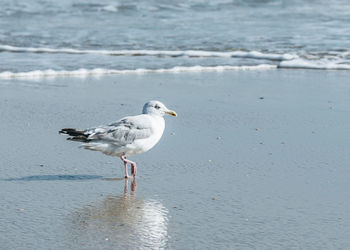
(122, 132)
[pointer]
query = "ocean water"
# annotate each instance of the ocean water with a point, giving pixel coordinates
(265, 159)
(82, 37)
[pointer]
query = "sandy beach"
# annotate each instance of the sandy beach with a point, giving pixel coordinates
(254, 160)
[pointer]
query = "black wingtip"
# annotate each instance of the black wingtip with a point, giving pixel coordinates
(72, 132)
(65, 130)
(79, 138)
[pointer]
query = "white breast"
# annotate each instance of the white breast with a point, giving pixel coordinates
(143, 145)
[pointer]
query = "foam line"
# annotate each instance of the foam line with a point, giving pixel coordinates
(99, 71)
(171, 53)
(308, 64)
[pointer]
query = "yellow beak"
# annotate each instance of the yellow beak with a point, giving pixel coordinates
(170, 112)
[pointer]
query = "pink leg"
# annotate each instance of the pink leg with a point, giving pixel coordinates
(133, 169)
(133, 166)
(126, 169)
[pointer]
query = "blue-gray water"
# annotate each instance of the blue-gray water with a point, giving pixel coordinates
(313, 34)
(255, 160)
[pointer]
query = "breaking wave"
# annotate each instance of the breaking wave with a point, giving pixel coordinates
(99, 71)
(171, 53)
(314, 64)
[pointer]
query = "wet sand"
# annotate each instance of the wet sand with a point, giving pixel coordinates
(255, 160)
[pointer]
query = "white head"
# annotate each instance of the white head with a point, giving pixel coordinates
(157, 108)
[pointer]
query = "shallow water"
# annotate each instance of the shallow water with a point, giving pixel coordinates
(255, 160)
(259, 163)
(55, 35)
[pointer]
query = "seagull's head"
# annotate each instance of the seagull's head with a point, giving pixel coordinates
(157, 108)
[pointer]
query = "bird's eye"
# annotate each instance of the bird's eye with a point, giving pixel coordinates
(157, 107)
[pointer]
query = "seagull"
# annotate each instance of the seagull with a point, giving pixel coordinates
(128, 136)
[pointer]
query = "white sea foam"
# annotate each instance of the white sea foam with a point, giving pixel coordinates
(172, 53)
(316, 64)
(110, 8)
(99, 71)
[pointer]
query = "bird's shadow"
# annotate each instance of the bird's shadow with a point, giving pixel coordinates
(60, 177)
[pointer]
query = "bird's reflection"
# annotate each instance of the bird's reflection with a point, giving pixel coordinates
(121, 222)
